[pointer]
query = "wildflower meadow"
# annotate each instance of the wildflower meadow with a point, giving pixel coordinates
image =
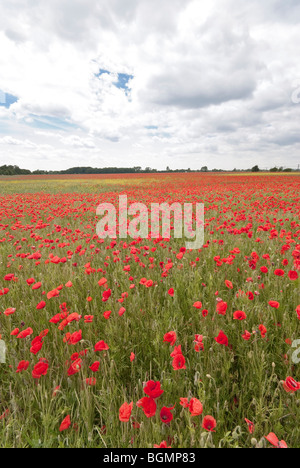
(142, 342)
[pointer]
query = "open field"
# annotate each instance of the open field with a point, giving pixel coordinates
(87, 322)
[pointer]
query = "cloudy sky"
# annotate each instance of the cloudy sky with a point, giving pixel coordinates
(157, 83)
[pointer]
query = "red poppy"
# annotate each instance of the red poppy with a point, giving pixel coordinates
(250, 425)
(274, 304)
(291, 385)
(95, 367)
(125, 412)
(162, 445)
(273, 439)
(23, 334)
(75, 367)
(107, 314)
(65, 424)
(148, 405)
(153, 389)
(195, 407)
(165, 415)
(170, 338)
(279, 272)
(178, 362)
(222, 339)
(209, 424)
(101, 346)
(239, 315)
(222, 308)
(293, 275)
(263, 331)
(246, 336)
(22, 366)
(41, 368)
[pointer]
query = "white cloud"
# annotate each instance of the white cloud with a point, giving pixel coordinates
(212, 83)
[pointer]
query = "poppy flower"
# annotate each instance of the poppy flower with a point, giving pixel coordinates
(222, 339)
(184, 402)
(30, 281)
(102, 282)
(54, 293)
(222, 308)
(171, 292)
(250, 425)
(178, 362)
(107, 314)
(291, 385)
(264, 269)
(75, 337)
(106, 295)
(195, 407)
(199, 346)
(279, 272)
(263, 331)
(209, 424)
(165, 415)
(36, 345)
(148, 405)
(95, 367)
(65, 424)
(273, 439)
(88, 318)
(171, 338)
(293, 275)
(101, 346)
(274, 304)
(9, 311)
(198, 305)
(41, 368)
(75, 367)
(22, 366)
(125, 412)
(153, 389)
(239, 315)
(162, 445)
(246, 336)
(24, 333)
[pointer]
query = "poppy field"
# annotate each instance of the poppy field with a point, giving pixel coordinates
(134, 343)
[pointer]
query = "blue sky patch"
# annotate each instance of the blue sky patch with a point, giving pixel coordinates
(6, 100)
(46, 122)
(122, 79)
(102, 72)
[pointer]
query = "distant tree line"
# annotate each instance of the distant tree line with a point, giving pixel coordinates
(273, 169)
(15, 170)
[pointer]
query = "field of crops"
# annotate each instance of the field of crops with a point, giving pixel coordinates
(140, 342)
